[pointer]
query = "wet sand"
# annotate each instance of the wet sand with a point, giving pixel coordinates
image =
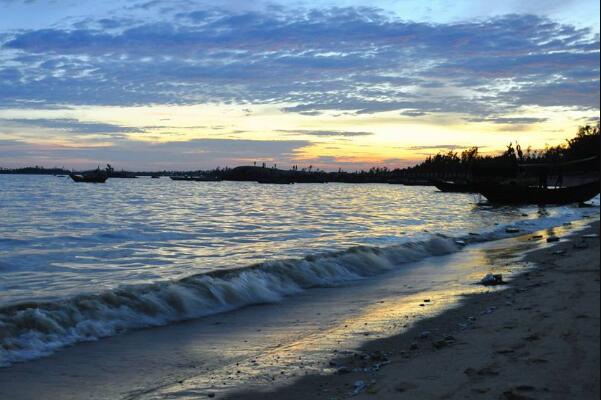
(538, 339)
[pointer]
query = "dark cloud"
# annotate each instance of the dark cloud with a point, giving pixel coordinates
(354, 59)
(71, 125)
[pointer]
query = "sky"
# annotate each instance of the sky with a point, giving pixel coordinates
(182, 85)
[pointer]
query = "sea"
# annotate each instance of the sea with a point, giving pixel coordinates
(85, 262)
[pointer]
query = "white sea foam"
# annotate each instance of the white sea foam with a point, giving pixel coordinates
(32, 330)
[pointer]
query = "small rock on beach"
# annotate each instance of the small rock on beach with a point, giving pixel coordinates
(492, 280)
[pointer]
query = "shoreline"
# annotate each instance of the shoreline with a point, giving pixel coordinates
(538, 338)
(248, 351)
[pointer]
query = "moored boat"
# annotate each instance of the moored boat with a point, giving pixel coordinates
(513, 193)
(455, 187)
(99, 177)
(196, 178)
(410, 182)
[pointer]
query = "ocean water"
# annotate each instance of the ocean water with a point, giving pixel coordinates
(80, 261)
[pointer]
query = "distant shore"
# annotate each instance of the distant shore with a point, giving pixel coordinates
(537, 339)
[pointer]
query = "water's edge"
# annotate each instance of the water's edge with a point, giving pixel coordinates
(35, 329)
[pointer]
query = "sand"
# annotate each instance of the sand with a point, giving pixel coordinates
(538, 339)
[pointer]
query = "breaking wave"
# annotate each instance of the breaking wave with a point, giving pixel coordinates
(35, 329)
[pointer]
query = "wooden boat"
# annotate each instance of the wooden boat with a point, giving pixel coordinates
(410, 182)
(455, 187)
(90, 177)
(512, 193)
(196, 178)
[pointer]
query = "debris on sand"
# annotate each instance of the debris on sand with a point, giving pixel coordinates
(492, 280)
(359, 387)
(424, 334)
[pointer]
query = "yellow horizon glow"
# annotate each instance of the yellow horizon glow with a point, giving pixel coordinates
(393, 138)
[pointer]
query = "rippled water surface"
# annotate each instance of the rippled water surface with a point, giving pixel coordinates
(59, 238)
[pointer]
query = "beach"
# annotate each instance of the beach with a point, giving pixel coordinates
(297, 200)
(142, 300)
(427, 331)
(537, 339)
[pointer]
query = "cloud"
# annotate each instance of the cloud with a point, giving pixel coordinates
(326, 133)
(413, 113)
(333, 163)
(437, 147)
(71, 125)
(509, 120)
(355, 59)
(198, 153)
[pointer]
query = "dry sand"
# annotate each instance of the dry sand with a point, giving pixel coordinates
(538, 339)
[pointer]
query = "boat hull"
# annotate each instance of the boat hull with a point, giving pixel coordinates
(195, 178)
(455, 187)
(100, 178)
(516, 194)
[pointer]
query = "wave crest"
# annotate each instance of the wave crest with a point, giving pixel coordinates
(35, 329)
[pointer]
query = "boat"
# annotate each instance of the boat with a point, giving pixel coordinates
(455, 186)
(196, 178)
(155, 176)
(410, 182)
(513, 193)
(95, 177)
